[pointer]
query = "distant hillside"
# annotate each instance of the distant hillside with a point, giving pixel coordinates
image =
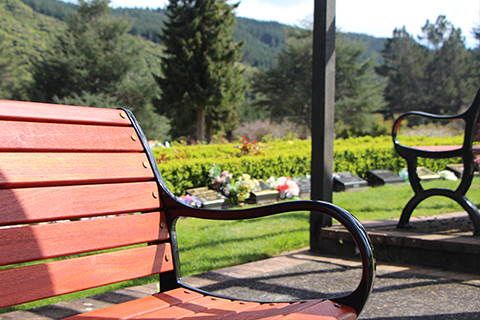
(374, 45)
(24, 33)
(264, 39)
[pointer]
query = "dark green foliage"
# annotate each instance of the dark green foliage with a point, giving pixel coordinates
(92, 56)
(404, 62)
(96, 63)
(357, 155)
(53, 8)
(201, 84)
(25, 34)
(451, 77)
(145, 22)
(373, 45)
(286, 88)
(437, 75)
(358, 91)
(264, 41)
(5, 72)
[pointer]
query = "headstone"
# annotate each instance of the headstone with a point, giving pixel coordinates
(456, 168)
(380, 177)
(347, 181)
(263, 193)
(210, 198)
(426, 174)
(304, 184)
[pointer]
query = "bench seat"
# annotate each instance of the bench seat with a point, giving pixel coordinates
(188, 304)
(475, 148)
(83, 205)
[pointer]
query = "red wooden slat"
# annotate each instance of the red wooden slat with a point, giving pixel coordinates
(45, 241)
(476, 149)
(25, 205)
(43, 112)
(277, 313)
(325, 310)
(34, 136)
(61, 277)
(36, 169)
(185, 309)
(224, 309)
(139, 307)
(257, 311)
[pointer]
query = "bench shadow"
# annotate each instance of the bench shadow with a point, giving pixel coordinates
(16, 234)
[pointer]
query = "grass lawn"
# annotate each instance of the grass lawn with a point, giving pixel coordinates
(209, 245)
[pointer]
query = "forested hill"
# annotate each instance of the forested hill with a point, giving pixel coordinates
(264, 39)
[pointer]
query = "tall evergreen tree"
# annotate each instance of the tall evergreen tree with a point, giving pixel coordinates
(286, 88)
(201, 83)
(4, 72)
(404, 64)
(450, 80)
(92, 56)
(436, 74)
(95, 63)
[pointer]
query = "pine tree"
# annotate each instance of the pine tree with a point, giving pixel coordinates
(285, 90)
(438, 74)
(92, 56)
(404, 63)
(95, 63)
(450, 78)
(201, 83)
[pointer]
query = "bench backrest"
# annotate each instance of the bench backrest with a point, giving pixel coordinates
(75, 181)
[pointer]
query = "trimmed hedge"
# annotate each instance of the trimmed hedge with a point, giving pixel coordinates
(188, 166)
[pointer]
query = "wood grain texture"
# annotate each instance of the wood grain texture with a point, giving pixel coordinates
(60, 277)
(44, 112)
(194, 306)
(37, 169)
(325, 310)
(52, 240)
(27, 205)
(34, 136)
(139, 307)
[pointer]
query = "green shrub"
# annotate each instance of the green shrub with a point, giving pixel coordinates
(187, 167)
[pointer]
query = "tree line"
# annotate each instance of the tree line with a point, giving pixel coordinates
(198, 87)
(264, 39)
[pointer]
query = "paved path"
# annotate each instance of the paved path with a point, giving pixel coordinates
(400, 292)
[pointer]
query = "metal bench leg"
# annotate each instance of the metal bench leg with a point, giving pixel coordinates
(404, 222)
(473, 213)
(472, 210)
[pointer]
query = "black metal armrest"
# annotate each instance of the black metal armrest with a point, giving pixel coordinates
(357, 298)
(398, 121)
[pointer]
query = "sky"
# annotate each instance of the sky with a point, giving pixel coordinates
(373, 17)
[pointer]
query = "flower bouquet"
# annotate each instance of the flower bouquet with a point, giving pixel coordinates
(287, 188)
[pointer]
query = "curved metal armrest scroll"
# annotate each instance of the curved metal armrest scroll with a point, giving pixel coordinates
(398, 121)
(357, 298)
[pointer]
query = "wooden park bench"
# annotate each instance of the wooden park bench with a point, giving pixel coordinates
(70, 179)
(467, 152)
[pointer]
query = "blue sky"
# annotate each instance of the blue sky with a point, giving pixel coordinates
(374, 17)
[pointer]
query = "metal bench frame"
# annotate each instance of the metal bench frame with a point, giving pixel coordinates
(69, 164)
(471, 117)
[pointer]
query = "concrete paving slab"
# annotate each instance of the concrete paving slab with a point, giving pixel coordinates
(401, 291)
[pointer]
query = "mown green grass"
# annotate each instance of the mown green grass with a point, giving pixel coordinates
(209, 245)
(387, 202)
